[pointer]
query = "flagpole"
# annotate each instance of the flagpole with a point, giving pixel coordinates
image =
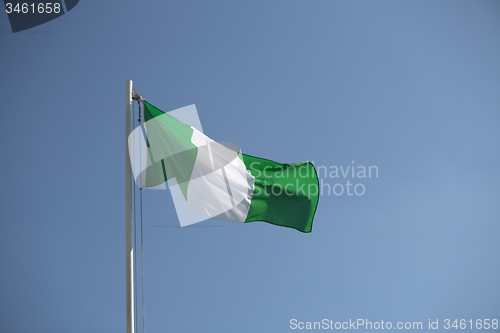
(129, 230)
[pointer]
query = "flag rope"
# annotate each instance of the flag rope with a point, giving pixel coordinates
(135, 242)
(142, 279)
(142, 239)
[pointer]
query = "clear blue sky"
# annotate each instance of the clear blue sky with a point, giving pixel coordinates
(411, 87)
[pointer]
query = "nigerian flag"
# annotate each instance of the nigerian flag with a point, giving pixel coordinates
(217, 180)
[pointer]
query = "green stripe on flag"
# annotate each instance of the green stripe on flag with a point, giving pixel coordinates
(170, 150)
(284, 194)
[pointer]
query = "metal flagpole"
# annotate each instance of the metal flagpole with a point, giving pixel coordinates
(129, 230)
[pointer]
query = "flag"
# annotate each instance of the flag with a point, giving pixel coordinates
(216, 179)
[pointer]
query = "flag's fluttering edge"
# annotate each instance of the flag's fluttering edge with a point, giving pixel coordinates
(217, 180)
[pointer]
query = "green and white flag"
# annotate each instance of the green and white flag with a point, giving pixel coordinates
(218, 181)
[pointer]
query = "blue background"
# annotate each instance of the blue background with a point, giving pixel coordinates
(411, 87)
